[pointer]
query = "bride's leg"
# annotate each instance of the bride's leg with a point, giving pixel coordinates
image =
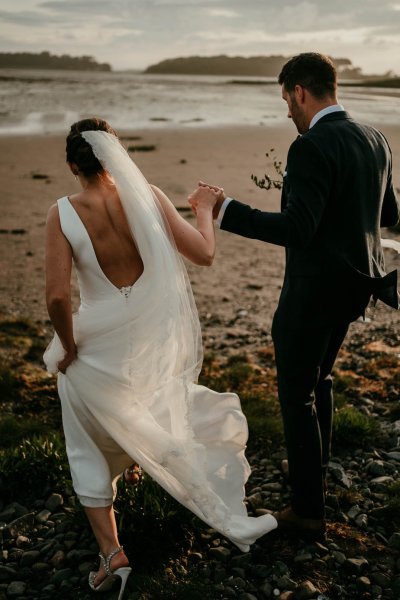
(102, 521)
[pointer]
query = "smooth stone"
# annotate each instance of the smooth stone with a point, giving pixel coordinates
(85, 568)
(220, 554)
(49, 589)
(354, 511)
(256, 500)
(381, 579)
(339, 557)
(285, 583)
(393, 456)
(16, 588)
(305, 590)
(19, 525)
(237, 582)
(362, 521)
(363, 583)
(385, 479)
(242, 560)
(247, 596)
(28, 558)
(261, 571)
(376, 468)
(339, 474)
(301, 558)
(40, 567)
(59, 576)
(287, 595)
(57, 560)
(53, 502)
(6, 574)
(266, 589)
(22, 541)
(394, 540)
(43, 516)
(355, 565)
(238, 572)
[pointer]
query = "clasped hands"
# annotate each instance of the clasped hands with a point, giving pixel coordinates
(207, 196)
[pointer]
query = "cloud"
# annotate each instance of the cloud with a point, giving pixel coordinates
(165, 28)
(222, 12)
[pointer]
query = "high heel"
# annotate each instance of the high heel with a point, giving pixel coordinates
(111, 576)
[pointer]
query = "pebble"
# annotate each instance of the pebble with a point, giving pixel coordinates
(54, 502)
(393, 456)
(266, 589)
(43, 516)
(376, 468)
(305, 590)
(220, 553)
(16, 588)
(6, 574)
(363, 584)
(301, 558)
(394, 541)
(339, 474)
(28, 558)
(381, 579)
(355, 565)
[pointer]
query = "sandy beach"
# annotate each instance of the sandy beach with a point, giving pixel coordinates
(237, 296)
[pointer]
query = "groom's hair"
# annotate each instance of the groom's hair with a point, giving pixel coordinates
(315, 72)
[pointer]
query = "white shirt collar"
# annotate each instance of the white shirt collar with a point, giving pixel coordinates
(325, 111)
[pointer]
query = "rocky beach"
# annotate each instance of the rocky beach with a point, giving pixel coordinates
(46, 546)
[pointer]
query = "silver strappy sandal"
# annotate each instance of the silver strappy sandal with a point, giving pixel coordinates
(111, 576)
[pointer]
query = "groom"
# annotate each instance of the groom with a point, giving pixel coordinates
(337, 193)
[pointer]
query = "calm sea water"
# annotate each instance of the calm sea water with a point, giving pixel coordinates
(36, 102)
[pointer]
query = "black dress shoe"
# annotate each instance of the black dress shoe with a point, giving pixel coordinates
(303, 527)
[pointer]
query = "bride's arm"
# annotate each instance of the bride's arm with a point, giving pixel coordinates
(58, 285)
(197, 245)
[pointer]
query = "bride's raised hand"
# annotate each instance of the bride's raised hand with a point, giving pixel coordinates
(204, 197)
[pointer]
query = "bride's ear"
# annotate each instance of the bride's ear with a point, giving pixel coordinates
(74, 168)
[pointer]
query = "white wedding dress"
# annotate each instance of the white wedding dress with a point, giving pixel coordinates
(131, 394)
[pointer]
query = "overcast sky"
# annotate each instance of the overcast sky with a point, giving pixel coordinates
(136, 33)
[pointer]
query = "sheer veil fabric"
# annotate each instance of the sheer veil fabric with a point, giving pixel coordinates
(135, 378)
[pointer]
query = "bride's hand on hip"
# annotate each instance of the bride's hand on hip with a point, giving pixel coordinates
(69, 358)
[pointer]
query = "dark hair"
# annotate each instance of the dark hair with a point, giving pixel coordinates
(315, 72)
(79, 151)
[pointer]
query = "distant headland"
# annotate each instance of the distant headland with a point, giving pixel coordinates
(252, 66)
(258, 66)
(46, 60)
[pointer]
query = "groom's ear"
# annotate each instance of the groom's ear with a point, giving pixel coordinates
(300, 93)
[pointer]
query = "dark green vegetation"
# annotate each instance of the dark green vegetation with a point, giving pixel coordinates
(46, 60)
(169, 546)
(263, 66)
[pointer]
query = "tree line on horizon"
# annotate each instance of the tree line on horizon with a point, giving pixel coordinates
(46, 60)
(261, 66)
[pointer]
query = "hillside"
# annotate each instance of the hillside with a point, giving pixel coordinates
(45, 60)
(261, 66)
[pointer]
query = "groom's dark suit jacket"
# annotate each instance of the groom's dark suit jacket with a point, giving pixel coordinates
(337, 193)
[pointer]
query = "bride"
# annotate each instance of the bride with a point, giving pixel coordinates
(129, 359)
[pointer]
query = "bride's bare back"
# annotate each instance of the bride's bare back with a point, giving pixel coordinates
(101, 212)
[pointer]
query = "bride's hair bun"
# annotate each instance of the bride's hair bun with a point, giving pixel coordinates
(79, 151)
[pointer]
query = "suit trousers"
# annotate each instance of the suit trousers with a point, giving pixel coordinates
(305, 355)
